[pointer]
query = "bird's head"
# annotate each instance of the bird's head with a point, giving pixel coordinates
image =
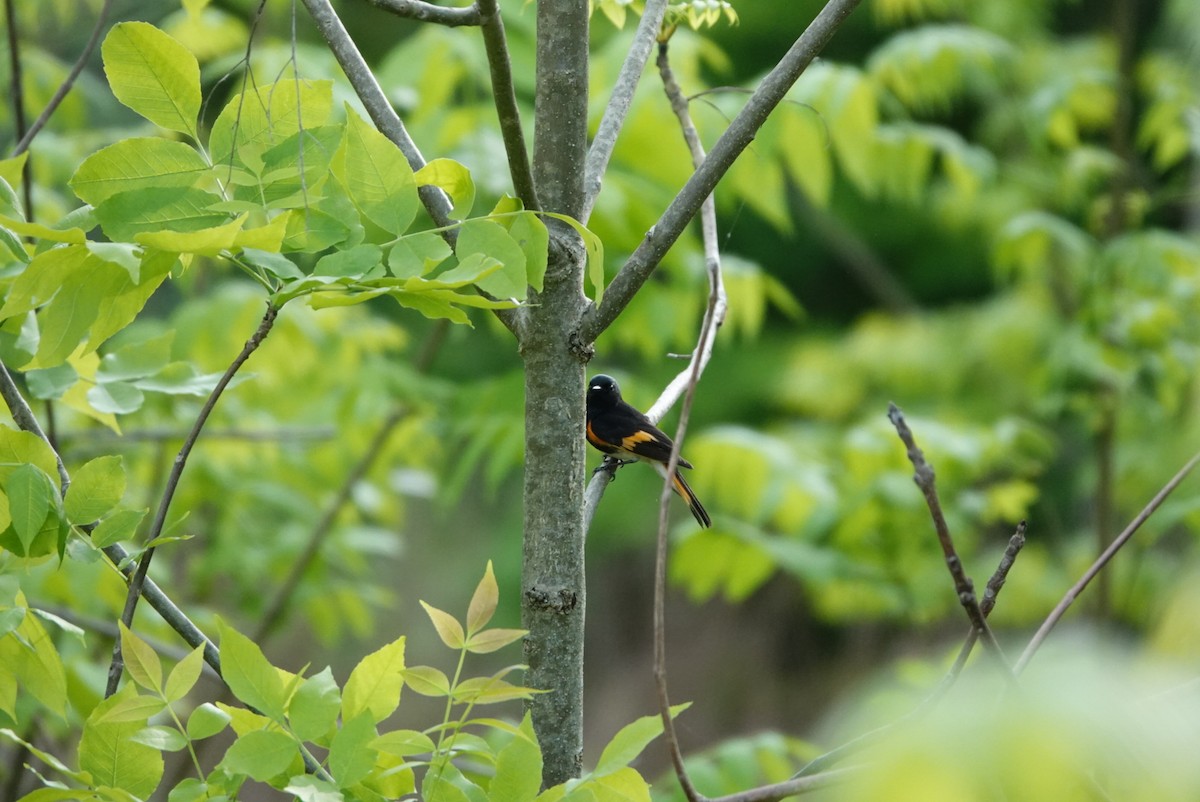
(603, 391)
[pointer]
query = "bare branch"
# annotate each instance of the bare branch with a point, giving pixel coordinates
(1101, 561)
(160, 518)
(505, 95)
(619, 102)
(822, 763)
(663, 234)
(428, 12)
(67, 83)
(17, 94)
(924, 477)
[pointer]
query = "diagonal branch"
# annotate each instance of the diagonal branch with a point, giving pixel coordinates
(1073, 593)
(737, 137)
(822, 764)
(428, 12)
(67, 83)
(923, 475)
(170, 612)
(619, 102)
(138, 579)
(507, 114)
(375, 101)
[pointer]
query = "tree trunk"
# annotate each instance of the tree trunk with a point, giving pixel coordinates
(552, 575)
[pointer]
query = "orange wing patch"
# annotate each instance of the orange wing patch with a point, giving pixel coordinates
(640, 436)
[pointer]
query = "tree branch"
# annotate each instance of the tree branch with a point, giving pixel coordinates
(67, 83)
(17, 93)
(159, 600)
(619, 102)
(428, 12)
(376, 103)
(995, 583)
(737, 137)
(507, 114)
(160, 518)
(924, 477)
(1061, 608)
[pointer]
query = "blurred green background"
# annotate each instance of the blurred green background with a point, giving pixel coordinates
(983, 211)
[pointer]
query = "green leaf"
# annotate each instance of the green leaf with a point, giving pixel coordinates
(47, 758)
(154, 75)
(50, 383)
(593, 247)
(264, 116)
(375, 683)
(354, 262)
(126, 214)
(95, 490)
(492, 240)
(18, 448)
(29, 492)
(447, 626)
(133, 708)
(490, 640)
(483, 601)
(28, 653)
(119, 526)
(489, 690)
(376, 176)
(351, 757)
(404, 743)
(116, 398)
(629, 742)
(518, 775)
(137, 163)
(531, 235)
(622, 785)
(260, 755)
(164, 739)
(184, 675)
(210, 241)
(143, 357)
(252, 679)
(141, 661)
(273, 264)
(452, 178)
(313, 710)
(439, 787)
(308, 788)
(429, 306)
(427, 681)
(417, 254)
(109, 754)
(206, 721)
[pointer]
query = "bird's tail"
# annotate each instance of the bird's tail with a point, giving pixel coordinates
(685, 491)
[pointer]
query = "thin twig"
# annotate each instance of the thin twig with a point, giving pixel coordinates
(1061, 608)
(428, 12)
(619, 102)
(923, 475)
(737, 137)
(160, 517)
(67, 83)
(504, 93)
(995, 583)
(17, 93)
(713, 317)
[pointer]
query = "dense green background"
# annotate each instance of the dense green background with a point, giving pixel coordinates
(977, 210)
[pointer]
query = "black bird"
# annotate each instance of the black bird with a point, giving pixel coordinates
(617, 429)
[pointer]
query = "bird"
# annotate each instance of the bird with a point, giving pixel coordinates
(617, 429)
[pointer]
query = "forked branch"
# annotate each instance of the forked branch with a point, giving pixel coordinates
(923, 475)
